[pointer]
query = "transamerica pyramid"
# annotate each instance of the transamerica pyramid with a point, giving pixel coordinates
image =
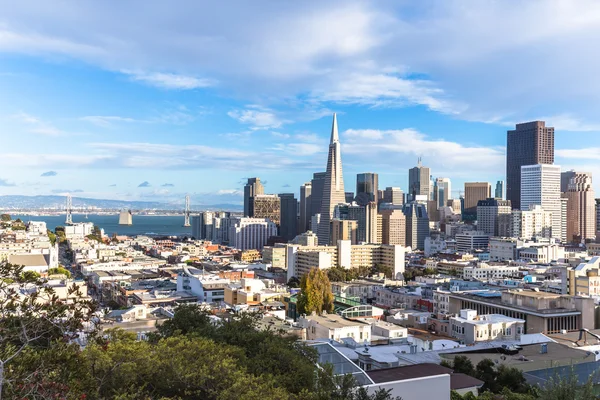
(333, 188)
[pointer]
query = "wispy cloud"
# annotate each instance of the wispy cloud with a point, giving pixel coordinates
(170, 80)
(258, 117)
(107, 120)
(65, 191)
(144, 184)
(167, 185)
(5, 182)
(49, 173)
(37, 125)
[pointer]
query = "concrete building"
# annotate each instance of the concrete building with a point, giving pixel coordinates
(535, 222)
(529, 144)
(442, 191)
(251, 233)
(417, 224)
(474, 192)
(419, 181)
(252, 188)
(485, 272)
(288, 217)
(125, 217)
(540, 185)
(343, 229)
(267, 206)
(220, 228)
(208, 288)
(471, 328)
(543, 312)
(333, 186)
(334, 327)
(473, 240)
(202, 225)
(393, 195)
(368, 182)
(275, 256)
(494, 217)
(393, 227)
(305, 207)
(581, 210)
(79, 230)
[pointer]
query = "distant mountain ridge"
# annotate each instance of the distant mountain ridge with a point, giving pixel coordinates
(58, 202)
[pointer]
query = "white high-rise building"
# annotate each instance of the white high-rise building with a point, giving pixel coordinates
(251, 233)
(540, 185)
(535, 222)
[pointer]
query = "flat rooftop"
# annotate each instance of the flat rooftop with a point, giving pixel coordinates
(457, 380)
(333, 321)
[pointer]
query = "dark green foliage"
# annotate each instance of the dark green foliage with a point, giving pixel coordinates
(5, 218)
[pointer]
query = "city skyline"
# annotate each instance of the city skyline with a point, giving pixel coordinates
(142, 119)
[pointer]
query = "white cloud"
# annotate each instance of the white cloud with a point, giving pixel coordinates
(588, 153)
(235, 192)
(37, 125)
(258, 117)
(107, 120)
(169, 80)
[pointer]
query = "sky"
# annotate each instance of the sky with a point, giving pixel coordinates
(156, 100)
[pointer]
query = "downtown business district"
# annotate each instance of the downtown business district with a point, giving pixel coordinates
(515, 280)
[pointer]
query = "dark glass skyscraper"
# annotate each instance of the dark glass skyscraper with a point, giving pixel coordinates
(529, 144)
(252, 188)
(289, 216)
(368, 183)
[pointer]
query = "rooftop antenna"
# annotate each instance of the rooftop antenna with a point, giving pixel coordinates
(69, 219)
(186, 213)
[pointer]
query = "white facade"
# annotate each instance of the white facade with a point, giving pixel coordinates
(471, 328)
(473, 240)
(79, 230)
(209, 289)
(334, 327)
(485, 272)
(434, 246)
(534, 222)
(540, 185)
(251, 233)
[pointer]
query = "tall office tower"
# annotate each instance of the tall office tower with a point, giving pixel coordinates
(393, 227)
(475, 191)
(494, 217)
(417, 224)
(540, 184)
(288, 217)
(305, 207)
(499, 192)
(432, 211)
(343, 229)
(431, 189)
(455, 204)
(349, 197)
(393, 195)
(530, 143)
(250, 233)
(317, 184)
(371, 219)
(535, 222)
(221, 225)
(268, 206)
(442, 191)
(581, 208)
(368, 183)
(356, 213)
(251, 189)
(333, 187)
(380, 196)
(564, 207)
(418, 181)
(565, 179)
(202, 225)
(597, 218)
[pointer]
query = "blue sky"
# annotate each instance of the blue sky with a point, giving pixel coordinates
(112, 100)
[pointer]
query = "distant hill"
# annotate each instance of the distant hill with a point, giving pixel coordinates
(57, 202)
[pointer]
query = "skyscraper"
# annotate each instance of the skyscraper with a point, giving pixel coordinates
(529, 144)
(267, 206)
(317, 184)
(393, 195)
(499, 192)
(289, 216)
(393, 227)
(418, 181)
(442, 190)
(305, 207)
(333, 186)
(343, 229)
(494, 217)
(540, 185)
(581, 210)
(475, 191)
(349, 197)
(417, 224)
(565, 179)
(368, 183)
(251, 189)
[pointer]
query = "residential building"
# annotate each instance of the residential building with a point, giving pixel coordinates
(343, 229)
(368, 183)
(305, 207)
(208, 288)
(530, 143)
(393, 227)
(372, 232)
(333, 186)
(540, 185)
(534, 222)
(267, 206)
(581, 207)
(494, 217)
(252, 188)
(419, 181)
(334, 327)
(474, 192)
(485, 272)
(417, 224)
(361, 289)
(274, 255)
(288, 217)
(471, 328)
(251, 233)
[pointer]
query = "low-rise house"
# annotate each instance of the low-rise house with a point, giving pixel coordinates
(334, 327)
(470, 327)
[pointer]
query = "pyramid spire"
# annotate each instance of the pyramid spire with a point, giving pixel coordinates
(334, 130)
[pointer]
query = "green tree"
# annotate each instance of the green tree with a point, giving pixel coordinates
(52, 237)
(384, 269)
(315, 294)
(567, 387)
(33, 322)
(513, 379)
(463, 365)
(337, 274)
(59, 271)
(486, 372)
(5, 218)
(294, 282)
